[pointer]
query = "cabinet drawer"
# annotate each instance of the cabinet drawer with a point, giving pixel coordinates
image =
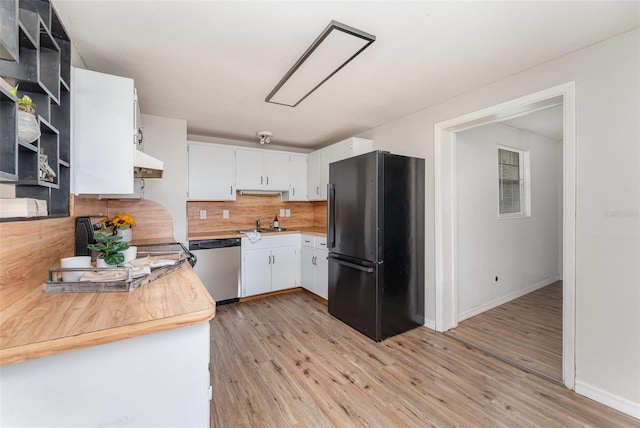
(321, 242)
(308, 241)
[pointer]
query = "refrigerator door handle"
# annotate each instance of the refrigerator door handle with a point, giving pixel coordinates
(331, 215)
(366, 269)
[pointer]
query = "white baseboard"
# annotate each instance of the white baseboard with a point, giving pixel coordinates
(504, 299)
(430, 324)
(608, 399)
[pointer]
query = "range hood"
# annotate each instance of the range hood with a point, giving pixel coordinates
(145, 166)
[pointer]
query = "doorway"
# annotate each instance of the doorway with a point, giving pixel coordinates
(446, 214)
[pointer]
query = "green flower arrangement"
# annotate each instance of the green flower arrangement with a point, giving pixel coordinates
(25, 103)
(110, 248)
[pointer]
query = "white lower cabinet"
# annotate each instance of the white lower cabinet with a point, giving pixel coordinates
(270, 264)
(314, 267)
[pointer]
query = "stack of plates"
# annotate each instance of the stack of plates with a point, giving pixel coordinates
(22, 207)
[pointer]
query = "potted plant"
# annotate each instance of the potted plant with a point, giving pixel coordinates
(28, 127)
(111, 248)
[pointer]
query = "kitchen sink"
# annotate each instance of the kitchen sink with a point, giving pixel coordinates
(264, 229)
(272, 229)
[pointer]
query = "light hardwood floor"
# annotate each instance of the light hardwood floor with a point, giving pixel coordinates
(284, 361)
(526, 332)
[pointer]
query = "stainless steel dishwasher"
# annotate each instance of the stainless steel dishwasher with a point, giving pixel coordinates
(218, 267)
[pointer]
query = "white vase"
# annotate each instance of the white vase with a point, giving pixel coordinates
(28, 127)
(126, 234)
(130, 254)
(100, 263)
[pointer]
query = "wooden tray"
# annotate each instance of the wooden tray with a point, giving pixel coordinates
(127, 282)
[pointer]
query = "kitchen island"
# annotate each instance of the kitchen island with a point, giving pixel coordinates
(138, 358)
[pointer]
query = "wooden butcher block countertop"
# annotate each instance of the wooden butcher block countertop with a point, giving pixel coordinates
(318, 231)
(41, 324)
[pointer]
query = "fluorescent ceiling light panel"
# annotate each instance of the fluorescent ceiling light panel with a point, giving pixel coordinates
(333, 49)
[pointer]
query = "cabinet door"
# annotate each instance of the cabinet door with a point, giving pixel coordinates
(103, 133)
(308, 269)
(327, 156)
(342, 150)
(298, 178)
(211, 173)
(284, 268)
(249, 170)
(313, 184)
(276, 171)
(256, 272)
(322, 274)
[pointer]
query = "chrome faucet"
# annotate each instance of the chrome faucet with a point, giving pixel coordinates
(258, 224)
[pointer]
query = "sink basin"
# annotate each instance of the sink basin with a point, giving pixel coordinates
(272, 229)
(264, 229)
(248, 231)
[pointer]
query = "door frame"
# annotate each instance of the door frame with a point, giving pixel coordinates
(445, 165)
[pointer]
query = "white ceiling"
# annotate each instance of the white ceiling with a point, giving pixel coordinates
(214, 62)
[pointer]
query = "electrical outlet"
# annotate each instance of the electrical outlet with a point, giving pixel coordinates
(203, 214)
(287, 213)
(282, 212)
(225, 213)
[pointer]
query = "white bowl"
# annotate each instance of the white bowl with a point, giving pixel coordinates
(74, 262)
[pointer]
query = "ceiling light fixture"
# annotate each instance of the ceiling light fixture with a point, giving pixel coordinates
(334, 48)
(264, 136)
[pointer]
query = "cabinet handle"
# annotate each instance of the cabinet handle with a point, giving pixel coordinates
(261, 180)
(313, 260)
(318, 190)
(274, 259)
(294, 191)
(231, 190)
(269, 259)
(267, 181)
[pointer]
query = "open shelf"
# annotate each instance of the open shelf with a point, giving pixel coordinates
(9, 30)
(35, 53)
(8, 136)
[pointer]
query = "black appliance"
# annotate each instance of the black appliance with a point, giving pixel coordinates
(375, 237)
(85, 228)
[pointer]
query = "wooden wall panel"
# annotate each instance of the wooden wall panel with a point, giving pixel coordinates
(88, 206)
(27, 250)
(244, 212)
(320, 214)
(153, 220)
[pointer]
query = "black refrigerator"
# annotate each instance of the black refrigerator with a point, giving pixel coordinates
(375, 238)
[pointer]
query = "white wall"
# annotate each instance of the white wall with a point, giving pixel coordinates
(166, 139)
(155, 380)
(608, 200)
(522, 252)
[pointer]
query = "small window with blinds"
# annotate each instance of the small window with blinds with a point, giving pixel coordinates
(513, 169)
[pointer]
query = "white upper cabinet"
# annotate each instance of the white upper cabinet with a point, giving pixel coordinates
(276, 171)
(351, 147)
(297, 178)
(103, 133)
(211, 172)
(313, 183)
(319, 163)
(262, 170)
(249, 169)
(319, 172)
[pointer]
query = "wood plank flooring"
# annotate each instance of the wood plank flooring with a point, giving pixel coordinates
(284, 361)
(526, 332)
